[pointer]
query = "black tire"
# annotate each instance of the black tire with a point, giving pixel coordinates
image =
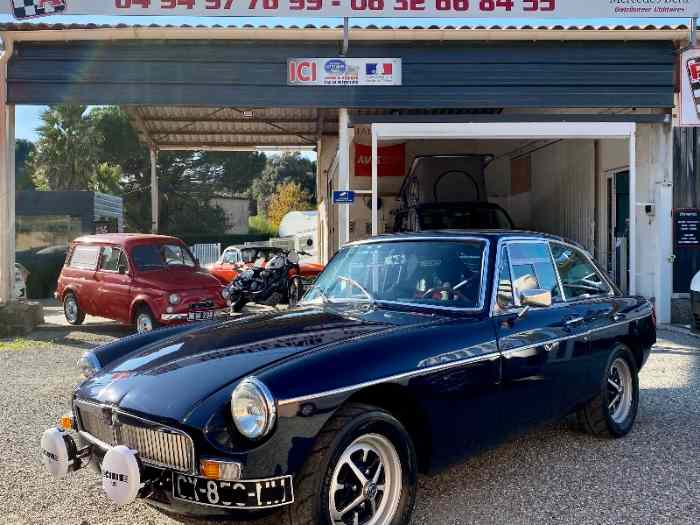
(143, 314)
(296, 291)
(312, 484)
(71, 309)
(274, 299)
(595, 417)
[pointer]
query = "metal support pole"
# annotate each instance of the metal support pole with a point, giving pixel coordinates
(633, 242)
(346, 36)
(7, 185)
(343, 176)
(375, 182)
(155, 208)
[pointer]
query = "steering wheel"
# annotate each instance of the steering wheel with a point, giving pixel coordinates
(452, 294)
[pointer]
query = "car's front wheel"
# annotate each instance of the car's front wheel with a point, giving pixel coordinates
(361, 471)
(613, 411)
(145, 320)
(71, 309)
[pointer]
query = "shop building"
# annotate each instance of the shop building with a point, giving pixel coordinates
(578, 121)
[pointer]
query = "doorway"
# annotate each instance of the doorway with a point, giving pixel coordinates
(619, 227)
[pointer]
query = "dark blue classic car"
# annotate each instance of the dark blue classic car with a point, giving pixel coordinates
(410, 352)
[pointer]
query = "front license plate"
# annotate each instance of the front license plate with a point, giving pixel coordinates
(248, 494)
(200, 316)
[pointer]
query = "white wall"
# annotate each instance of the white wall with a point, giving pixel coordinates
(654, 246)
(237, 213)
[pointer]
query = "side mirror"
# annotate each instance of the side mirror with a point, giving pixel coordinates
(536, 298)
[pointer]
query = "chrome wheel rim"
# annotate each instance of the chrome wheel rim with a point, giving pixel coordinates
(70, 308)
(366, 484)
(144, 323)
(620, 390)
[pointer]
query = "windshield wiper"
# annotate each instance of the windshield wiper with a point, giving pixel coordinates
(354, 283)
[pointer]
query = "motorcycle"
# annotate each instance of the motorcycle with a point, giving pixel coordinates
(273, 282)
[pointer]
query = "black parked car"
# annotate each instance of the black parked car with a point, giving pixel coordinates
(453, 216)
(410, 352)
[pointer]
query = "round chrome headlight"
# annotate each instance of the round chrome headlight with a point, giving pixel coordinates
(174, 298)
(225, 293)
(88, 364)
(253, 408)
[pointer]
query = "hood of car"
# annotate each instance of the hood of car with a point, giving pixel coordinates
(178, 279)
(167, 379)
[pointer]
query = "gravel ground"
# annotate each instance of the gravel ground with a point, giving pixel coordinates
(551, 475)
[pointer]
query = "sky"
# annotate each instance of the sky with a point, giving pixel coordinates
(28, 117)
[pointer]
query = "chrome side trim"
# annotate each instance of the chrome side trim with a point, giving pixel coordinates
(406, 375)
(437, 368)
(587, 333)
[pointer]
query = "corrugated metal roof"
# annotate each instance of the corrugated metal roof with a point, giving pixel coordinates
(474, 27)
(188, 127)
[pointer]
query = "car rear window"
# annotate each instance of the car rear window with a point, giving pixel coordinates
(85, 257)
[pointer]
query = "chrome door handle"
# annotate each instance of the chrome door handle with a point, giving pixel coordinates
(574, 321)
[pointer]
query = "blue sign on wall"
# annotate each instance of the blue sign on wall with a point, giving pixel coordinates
(343, 197)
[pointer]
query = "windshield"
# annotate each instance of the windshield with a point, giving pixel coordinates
(250, 255)
(159, 256)
(436, 273)
(467, 218)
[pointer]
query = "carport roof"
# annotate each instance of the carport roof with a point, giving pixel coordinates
(231, 128)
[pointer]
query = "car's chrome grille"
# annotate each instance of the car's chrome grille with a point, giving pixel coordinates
(155, 444)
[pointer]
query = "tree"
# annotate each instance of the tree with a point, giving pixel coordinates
(65, 156)
(23, 173)
(235, 171)
(289, 197)
(281, 169)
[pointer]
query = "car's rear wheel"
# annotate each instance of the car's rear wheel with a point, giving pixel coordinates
(145, 321)
(71, 309)
(362, 470)
(613, 411)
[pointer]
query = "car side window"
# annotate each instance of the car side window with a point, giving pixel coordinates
(110, 259)
(85, 257)
(230, 257)
(579, 277)
(532, 268)
(504, 292)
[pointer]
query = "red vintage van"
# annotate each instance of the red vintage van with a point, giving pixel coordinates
(144, 280)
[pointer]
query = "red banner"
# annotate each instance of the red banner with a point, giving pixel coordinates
(392, 160)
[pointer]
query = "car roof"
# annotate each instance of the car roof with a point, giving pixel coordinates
(124, 238)
(493, 235)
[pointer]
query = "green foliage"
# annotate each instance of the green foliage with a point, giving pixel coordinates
(23, 174)
(282, 169)
(235, 171)
(99, 150)
(259, 225)
(65, 156)
(289, 197)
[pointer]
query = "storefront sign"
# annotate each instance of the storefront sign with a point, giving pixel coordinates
(689, 114)
(686, 229)
(503, 9)
(344, 71)
(391, 162)
(343, 197)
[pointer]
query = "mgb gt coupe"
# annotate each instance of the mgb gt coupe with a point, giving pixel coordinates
(410, 352)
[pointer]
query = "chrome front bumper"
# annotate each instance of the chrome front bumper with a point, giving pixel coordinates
(184, 316)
